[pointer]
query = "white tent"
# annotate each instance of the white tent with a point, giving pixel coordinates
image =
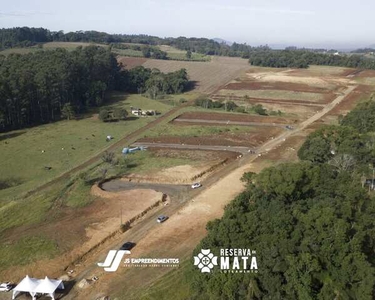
(27, 285)
(49, 286)
(34, 286)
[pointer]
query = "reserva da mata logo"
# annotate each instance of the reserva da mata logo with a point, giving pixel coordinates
(229, 261)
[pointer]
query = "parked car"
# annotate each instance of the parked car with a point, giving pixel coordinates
(128, 246)
(5, 287)
(162, 218)
(196, 185)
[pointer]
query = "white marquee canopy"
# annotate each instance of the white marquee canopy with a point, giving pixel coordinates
(34, 286)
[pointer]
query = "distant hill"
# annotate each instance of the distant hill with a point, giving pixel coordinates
(221, 41)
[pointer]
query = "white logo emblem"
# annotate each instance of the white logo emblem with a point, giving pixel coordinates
(205, 261)
(113, 260)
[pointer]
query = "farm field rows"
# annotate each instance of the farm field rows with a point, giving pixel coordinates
(294, 92)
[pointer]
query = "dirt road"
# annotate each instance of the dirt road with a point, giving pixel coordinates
(186, 227)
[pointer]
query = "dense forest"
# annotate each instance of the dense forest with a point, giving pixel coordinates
(312, 228)
(44, 86)
(23, 37)
(303, 58)
(311, 222)
(349, 146)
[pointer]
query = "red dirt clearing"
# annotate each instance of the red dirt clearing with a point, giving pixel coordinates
(234, 117)
(131, 62)
(361, 92)
(249, 139)
(366, 73)
(255, 85)
(271, 101)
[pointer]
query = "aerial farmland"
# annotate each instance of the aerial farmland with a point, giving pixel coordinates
(75, 178)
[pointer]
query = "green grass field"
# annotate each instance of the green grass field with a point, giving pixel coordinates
(177, 54)
(172, 285)
(26, 250)
(63, 145)
(182, 56)
(23, 166)
(128, 52)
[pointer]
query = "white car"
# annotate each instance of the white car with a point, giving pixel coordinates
(5, 287)
(162, 219)
(196, 185)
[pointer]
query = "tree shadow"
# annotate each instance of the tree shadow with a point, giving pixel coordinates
(9, 182)
(192, 84)
(11, 135)
(68, 286)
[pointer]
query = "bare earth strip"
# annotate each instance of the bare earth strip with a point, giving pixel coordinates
(208, 76)
(198, 121)
(194, 147)
(186, 228)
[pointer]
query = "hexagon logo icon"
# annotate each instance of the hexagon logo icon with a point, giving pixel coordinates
(205, 260)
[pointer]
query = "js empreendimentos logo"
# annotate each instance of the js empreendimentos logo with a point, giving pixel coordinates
(231, 261)
(113, 260)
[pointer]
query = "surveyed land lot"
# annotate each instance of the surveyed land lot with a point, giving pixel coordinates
(71, 221)
(181, 235)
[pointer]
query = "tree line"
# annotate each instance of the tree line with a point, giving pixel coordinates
(152, 82)
(304, 58)
(313, 232)
(25, 36)
(349, 146)
(291, 57)
(311, 223)
(41, 87)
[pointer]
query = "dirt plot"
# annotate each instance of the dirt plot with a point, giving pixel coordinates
(322, 71)
(366, 73)
(253, 100)
(210, 162)
(75, 235)
(234, 117)
(131, 62)
(280, 95)
(287, 78)
(351, 101)
(208, 76)
(249, 139)
(286, 152)
(193, 155)
(285, 86)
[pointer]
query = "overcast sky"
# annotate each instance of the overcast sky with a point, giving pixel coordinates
(339, 23)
